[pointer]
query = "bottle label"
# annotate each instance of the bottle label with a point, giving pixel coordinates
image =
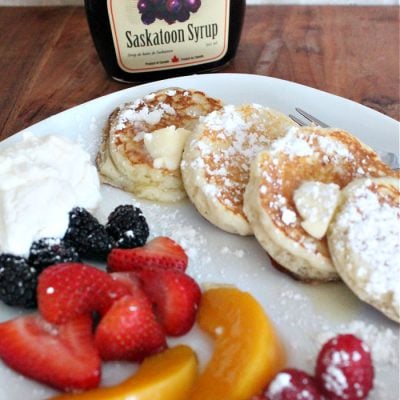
(151, 35)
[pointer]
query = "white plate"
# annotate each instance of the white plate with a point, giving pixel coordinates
(304, 315)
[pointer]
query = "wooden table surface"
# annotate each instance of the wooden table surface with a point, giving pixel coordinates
(48, 62)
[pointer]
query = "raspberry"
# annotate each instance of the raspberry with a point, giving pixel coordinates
(292, 384)
(18, 281)
(50, 251)
(344, 368)
(87, 235)
(128, 227)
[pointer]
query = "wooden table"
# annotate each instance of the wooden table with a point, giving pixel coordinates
(48, 62)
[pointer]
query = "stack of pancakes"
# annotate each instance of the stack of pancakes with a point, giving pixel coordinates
(308, 154)
(311, 196)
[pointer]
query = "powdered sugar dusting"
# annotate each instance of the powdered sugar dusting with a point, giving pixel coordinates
(281, 382)
(240, 253)
(174, 226)
(229, 121)
(298, 143)
(372, 236)
(335, 380)
(292, 144)
(230, 139)
(288, 216)
(139, 111)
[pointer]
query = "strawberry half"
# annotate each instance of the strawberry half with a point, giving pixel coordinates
(175, 296)
(62, 356)
(160, 252)
(71, 289)
(129, 279)
(129, 330)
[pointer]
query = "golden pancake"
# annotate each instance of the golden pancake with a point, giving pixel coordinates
(364, 242)
(216, 160)
(304, 154)
(124, 160)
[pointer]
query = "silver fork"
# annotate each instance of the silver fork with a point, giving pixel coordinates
(386, 156)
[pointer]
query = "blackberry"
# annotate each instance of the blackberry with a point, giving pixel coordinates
(18, 281)
(87, 235)
(128, 227)
(50, 251)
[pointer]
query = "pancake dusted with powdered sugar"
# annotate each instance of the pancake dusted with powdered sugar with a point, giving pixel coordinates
(217, 157)
(125, 159)
(308, 154)
(364, 241)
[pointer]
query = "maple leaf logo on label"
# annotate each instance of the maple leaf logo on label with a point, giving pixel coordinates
(174, 59)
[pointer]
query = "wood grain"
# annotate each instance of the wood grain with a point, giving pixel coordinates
(48, 62)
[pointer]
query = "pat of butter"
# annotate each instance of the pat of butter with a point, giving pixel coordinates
(316, 203)
(165, 146)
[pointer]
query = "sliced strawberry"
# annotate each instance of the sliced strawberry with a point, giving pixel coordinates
(160, 252)
(175, 296)
(62, 356)
(129, 330)
(71, 289)
(129, 279)
(344, 368)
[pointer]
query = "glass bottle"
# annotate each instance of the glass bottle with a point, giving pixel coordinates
(142, 40)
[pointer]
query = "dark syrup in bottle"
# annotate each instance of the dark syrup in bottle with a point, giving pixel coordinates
(142, 40)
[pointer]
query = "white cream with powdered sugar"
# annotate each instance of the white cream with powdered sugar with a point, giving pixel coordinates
(41, 180)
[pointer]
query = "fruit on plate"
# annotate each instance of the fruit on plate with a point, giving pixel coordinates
(127, 226)
(85, 233)
(291, 384)
(247, 353)
(129, 330)
(176, 297)
(18, 281)
(344, 371)
(71, 289)
(160, 252)
(63, 356)
(129, 279)
(50, 251)
(165, 376)
(344, 368)
(137, 309)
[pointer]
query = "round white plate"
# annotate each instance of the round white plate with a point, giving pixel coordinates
(305, 315)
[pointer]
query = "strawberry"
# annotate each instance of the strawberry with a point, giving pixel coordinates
(291, 384)
(160, 252)
(129, 279)
(62, 356)
(175, 296)
(344, 368)
(129, 330)
(71, 289)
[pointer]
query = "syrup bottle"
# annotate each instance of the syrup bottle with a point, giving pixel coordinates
(142, 40)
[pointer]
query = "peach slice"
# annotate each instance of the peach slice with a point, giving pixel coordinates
(165, 376)
(247, 353)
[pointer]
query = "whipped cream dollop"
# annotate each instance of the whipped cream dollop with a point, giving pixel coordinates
(41, 180)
